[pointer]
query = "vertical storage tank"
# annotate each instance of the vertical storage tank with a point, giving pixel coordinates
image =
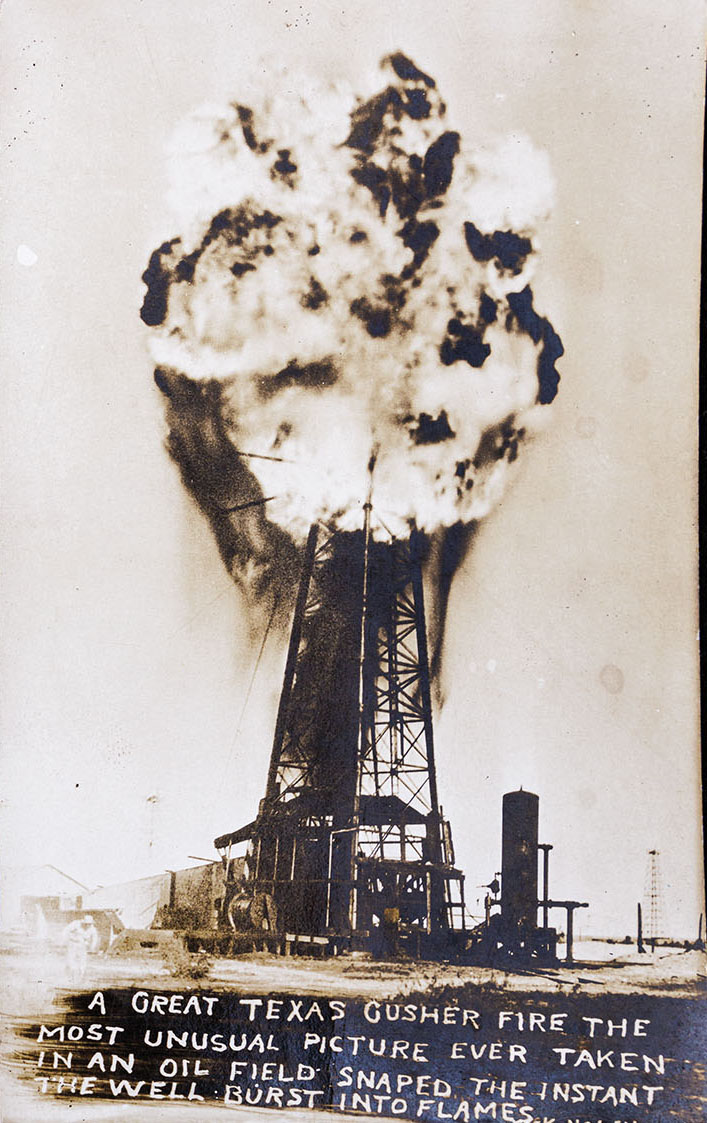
(519, 863)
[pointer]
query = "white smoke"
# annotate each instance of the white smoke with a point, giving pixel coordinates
(355, 276)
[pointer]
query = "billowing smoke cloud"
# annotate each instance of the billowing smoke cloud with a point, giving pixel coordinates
(351, 285)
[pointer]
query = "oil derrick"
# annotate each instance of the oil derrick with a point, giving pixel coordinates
(653, 897)
(350, 845)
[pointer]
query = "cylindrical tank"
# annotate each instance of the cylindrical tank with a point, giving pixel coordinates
(519, 862)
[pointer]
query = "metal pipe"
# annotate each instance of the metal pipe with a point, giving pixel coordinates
(277, 854)
(546, 847)
(295, 637)
(570, 933)
(463, 902)
(428, 901)
(423, 661)
(361, 703)
(340, 830)
(570, 906)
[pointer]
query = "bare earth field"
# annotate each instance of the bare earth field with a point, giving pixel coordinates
(35, 981)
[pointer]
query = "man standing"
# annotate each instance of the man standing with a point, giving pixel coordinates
(81, 936)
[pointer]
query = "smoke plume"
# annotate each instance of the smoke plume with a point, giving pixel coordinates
(350, 285)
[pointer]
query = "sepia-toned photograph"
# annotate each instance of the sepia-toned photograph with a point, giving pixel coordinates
(350, 755)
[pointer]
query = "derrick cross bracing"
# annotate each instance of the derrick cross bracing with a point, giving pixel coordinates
(350, 840)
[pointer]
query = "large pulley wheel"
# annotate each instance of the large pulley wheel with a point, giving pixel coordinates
(237, 911)
(246, 911)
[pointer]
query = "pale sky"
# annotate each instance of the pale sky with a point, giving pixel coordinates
(570, 666)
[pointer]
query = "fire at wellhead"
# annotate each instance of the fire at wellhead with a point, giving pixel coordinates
(346, 339)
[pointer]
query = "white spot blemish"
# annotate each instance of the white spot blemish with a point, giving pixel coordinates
(26, 255)
(491, 666)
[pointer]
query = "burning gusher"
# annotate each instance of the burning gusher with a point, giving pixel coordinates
(350, 357)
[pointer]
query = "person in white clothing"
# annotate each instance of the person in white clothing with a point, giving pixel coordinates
(81, 936)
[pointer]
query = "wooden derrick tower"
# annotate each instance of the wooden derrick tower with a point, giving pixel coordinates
(350, 845)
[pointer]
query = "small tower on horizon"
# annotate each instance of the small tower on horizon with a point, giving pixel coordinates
(653, 897)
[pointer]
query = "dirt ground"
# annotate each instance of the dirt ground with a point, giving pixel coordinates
(31, 973)
(35, 978)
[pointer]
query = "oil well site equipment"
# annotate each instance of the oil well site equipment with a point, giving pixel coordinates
(350, 844)
(350, 848)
